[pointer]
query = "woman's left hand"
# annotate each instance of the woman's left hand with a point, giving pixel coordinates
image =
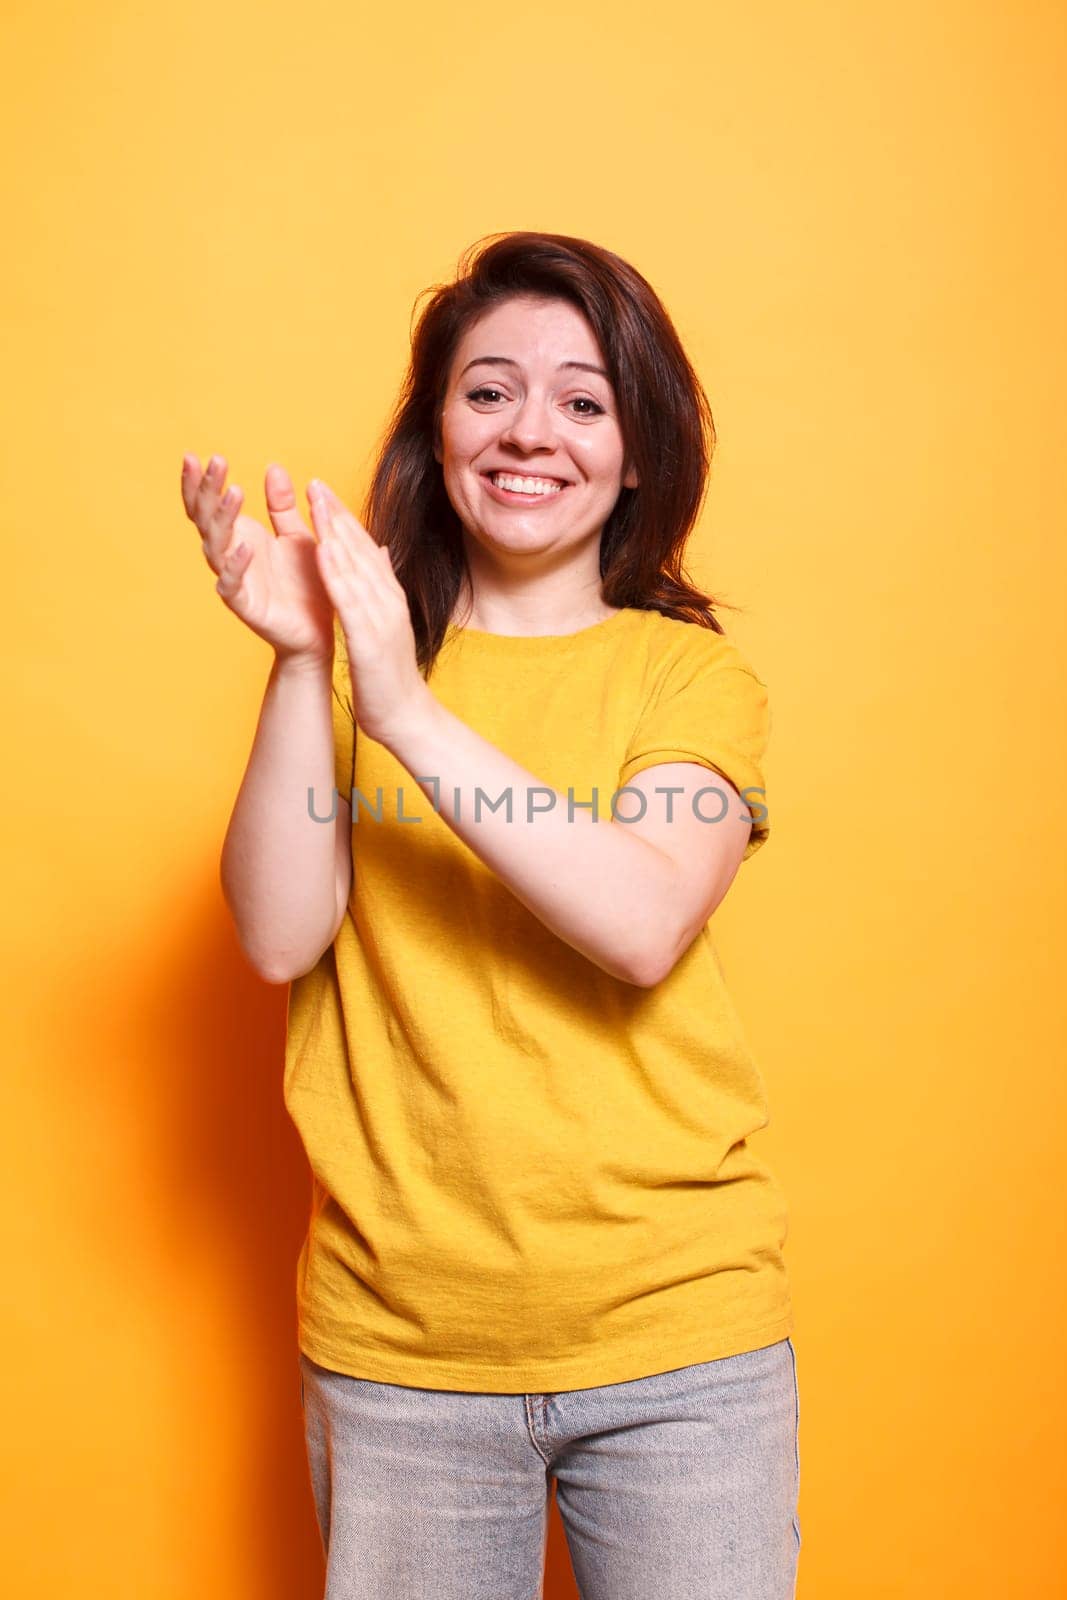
(357, 572)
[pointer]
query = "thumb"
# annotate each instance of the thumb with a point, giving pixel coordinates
(281, 502)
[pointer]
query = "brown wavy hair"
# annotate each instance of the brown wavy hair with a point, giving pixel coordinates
(664, 416)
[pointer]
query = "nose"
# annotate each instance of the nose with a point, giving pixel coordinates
(531, 426)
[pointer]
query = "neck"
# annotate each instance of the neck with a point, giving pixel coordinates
(530, 612)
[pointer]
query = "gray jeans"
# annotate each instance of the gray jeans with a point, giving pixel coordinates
(678, 1486)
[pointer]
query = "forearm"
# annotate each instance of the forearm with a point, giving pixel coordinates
(590, 881)
(278, 868)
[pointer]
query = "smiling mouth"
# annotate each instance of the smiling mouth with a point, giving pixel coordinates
(525, 496)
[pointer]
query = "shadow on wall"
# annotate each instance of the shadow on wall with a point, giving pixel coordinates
(228, 1194)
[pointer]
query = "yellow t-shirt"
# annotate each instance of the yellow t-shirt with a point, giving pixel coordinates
(528, 1175)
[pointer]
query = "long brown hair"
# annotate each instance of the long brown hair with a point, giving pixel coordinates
(664, 416)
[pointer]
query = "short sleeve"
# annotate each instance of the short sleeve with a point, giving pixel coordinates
(709, 706)
(344, 726)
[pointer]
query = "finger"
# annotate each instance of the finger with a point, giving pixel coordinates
(366, 564)
(281, 502)
(358, 554)
(200, 497)
(221, 525)
(351, 556)
(337, 561)
(231, 573)
(209, 491)
(225, 512)
(192, 472)
(348, 583)
(345, 520)
(342, 592)
(357, 563)
(320, 512)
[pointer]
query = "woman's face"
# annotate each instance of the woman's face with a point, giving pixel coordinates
(530, 412)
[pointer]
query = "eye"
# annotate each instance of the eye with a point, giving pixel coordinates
(487, 392)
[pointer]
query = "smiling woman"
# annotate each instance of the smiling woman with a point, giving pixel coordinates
(541, 1244)
(552, 357)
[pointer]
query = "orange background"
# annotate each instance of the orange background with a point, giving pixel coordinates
(218, 221)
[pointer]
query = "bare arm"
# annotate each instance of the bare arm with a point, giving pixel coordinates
(629, 896)
(285, 877)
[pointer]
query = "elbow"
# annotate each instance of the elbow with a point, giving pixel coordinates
(275, 975)
(273, 964)
(648, 975)
(281, 972)
(267, 967)
(278, 969)
(657, 955)
(279, 975)
(649, 966)
(267, 964)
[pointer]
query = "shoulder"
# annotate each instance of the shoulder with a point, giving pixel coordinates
(675, 651)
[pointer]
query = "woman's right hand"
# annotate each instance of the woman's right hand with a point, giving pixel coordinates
(273, 584)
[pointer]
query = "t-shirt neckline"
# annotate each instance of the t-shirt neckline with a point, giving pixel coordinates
(530, 643)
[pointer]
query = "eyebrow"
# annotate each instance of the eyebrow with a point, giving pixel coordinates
(506, 361)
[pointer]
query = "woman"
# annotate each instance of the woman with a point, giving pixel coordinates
(540, 1246)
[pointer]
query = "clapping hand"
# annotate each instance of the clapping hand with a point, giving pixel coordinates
(387, 686)
(272, 581)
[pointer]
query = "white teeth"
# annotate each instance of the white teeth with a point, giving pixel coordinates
(506, 480)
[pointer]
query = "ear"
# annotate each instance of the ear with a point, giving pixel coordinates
(630, 478)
